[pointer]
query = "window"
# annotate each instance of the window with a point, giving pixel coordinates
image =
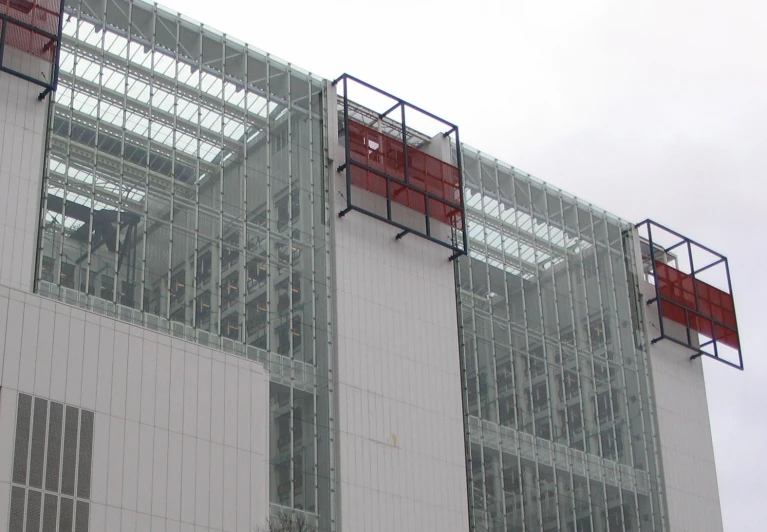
(540, 396)
(256, 273)
(177, 287)
(203, 306)
(229, 250)
(204, 266)
(107, 287)
(230, 327)
(230, 290)
(67, 276)
(46, 273)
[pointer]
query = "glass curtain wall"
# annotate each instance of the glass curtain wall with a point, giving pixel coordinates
(185, 192)
(560, 430)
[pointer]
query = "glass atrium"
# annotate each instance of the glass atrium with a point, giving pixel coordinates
(186, 191)
(560, 426)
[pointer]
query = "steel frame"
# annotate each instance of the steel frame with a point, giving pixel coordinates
(660, 299)
(457, 249)
(48, 87)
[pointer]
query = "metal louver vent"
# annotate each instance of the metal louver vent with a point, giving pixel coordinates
(23, 423)
(34, 500)
(82, 518)
(16, 521)
(53, 448)
(52, 472)
(36, 461)
(70, 452)
(65, 515)
(86, 452)
(49, 512)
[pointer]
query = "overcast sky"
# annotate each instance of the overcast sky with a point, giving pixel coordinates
(651, 109)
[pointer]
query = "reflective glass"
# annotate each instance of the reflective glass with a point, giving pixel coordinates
(185, 191)
(559, 422)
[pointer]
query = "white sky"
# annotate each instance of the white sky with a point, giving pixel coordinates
(652, 109)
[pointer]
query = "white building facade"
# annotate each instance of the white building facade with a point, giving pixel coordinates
(216, 305)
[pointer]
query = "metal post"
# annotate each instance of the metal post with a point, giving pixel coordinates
(729, 287)
(694, 288)
(2, 40)
(348, 151)
(404, 145)
(657, 288)
(428, 216)
(459, 161)
(55, 80)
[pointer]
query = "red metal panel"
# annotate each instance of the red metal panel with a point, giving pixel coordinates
(706, 309)
(427, 174)
(41, 14)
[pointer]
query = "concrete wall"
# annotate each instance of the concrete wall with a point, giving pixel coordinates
(400, 435)
(23, 122)
(180, 431)
(687, 451)
(400, 420)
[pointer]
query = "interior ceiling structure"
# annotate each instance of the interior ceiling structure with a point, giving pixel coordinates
(511, 240)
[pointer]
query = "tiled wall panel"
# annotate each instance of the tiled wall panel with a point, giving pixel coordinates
(22, 138)
(684, 427)
(157, 462)
(402, 462)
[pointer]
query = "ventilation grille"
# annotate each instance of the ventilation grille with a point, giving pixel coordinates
(51, 467)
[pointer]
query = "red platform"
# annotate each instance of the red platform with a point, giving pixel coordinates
(43, 15)
(430, 179)
(693, 303)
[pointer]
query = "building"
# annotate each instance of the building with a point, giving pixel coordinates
(231, 288)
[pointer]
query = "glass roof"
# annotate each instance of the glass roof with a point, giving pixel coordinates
(176, 115)
(515, 235)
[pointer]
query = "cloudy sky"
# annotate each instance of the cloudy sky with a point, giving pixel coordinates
(652, 109)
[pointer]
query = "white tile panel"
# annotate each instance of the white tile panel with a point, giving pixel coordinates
(160, 472)
(230, 488)
(135, 373)
(115, 465)
(399, 393)
(21, 128)
(143, 473)
(148, 380)
(75, 357)
(44, 360)
(145, 462)
(201, 486)
(128, 523)
(176, 413)
(191, 377)
(119, 374)
(100, 460)
(188, 483)
(175, 475)
(230, 406)
(29, 333)
(686, 447)
(98, 518)
(218, 402)
(143, 522)
(7, 426)
(216, 482)
(204, 398)
(130, 465)
(60, 357)
(90, 365)
(162, 387)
